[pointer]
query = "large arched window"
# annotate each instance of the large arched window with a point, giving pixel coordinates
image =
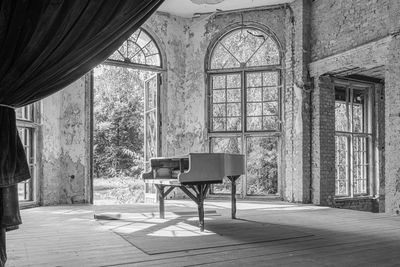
(138, 49)
(244, 70)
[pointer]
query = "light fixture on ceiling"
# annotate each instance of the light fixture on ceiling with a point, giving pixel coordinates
(206, 2)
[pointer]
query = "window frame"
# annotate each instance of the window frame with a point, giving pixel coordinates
(33, 125)
(245, 134)
(350, 134)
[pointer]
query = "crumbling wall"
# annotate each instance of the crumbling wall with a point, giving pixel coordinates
(65, 147)
(343, 24)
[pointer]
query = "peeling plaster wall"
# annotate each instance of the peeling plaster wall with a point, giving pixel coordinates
(64, 166)
(185, 43)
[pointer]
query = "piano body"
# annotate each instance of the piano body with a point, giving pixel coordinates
(196, 171)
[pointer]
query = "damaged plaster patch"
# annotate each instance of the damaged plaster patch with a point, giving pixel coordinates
(398, 181)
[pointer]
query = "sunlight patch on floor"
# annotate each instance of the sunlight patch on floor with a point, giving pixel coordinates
(181, 229)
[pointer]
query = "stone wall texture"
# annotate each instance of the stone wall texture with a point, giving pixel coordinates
(343, 24)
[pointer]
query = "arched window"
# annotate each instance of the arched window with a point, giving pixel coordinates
(244, 74)
(138, 49)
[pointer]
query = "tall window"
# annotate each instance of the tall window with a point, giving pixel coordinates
(27, 123)
(244, 105)
(353, 139)
(128, 83)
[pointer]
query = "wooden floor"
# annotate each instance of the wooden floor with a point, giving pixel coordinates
(69, 236)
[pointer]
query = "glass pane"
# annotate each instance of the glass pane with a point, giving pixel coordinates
(233, 110)
(262, 166)
(218, 124)
(270, 108)
(254, 123)
(268, 54)
(219, 110)
(341, 105)
(233, 81)
(360, 164)
(254, 79)
(358, 110)
(218, 81)
(270, 123)
(254, 109)
(221, 59)
(218, 96)
(226, 145)
(270, 94)
(233, 95)
(270, 78)
(243, 43)
(254, 94)
(234, 124)
(226, 111)
(342, 179)
(140, 49)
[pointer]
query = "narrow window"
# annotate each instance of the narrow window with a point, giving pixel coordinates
(27, 123)
(353, 138)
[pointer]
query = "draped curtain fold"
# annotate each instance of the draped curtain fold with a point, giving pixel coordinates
(47, 44)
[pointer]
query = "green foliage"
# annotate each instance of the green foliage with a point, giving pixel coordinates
(118, 127)
(118, 190)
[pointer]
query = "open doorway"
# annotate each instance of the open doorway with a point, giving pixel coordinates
(126, 119)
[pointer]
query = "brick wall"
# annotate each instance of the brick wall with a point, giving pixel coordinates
(323, 142)
(343, 24)
(362, 204)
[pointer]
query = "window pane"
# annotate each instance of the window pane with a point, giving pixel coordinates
(138, 48)
(26, 135)
(233, 81)
(254, 79)
(341, 106)
(218, 81)
(254, 123)
(234, 124)
(270, 123)
(254, 109)
(226, 145)
(233, 110)
(341, 166)
(270, 108)
(219, 124)
(221, 59)
(262, 166)
(360, 164)
(358, 110)
(268, 54)
(270, 94)
(219, 110)
(233, 95)
(218, 96)
(254, 94)
(226, 113)
(270, 78)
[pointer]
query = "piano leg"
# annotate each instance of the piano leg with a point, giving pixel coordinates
(200, 206)
(233, 195)
(160, 191)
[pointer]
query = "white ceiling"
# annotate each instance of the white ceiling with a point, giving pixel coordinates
(186, 8)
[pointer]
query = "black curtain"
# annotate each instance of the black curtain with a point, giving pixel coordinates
(44, 46)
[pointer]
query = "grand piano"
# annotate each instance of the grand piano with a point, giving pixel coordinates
(193, 174)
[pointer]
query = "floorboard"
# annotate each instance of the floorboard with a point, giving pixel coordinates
(70, 236)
